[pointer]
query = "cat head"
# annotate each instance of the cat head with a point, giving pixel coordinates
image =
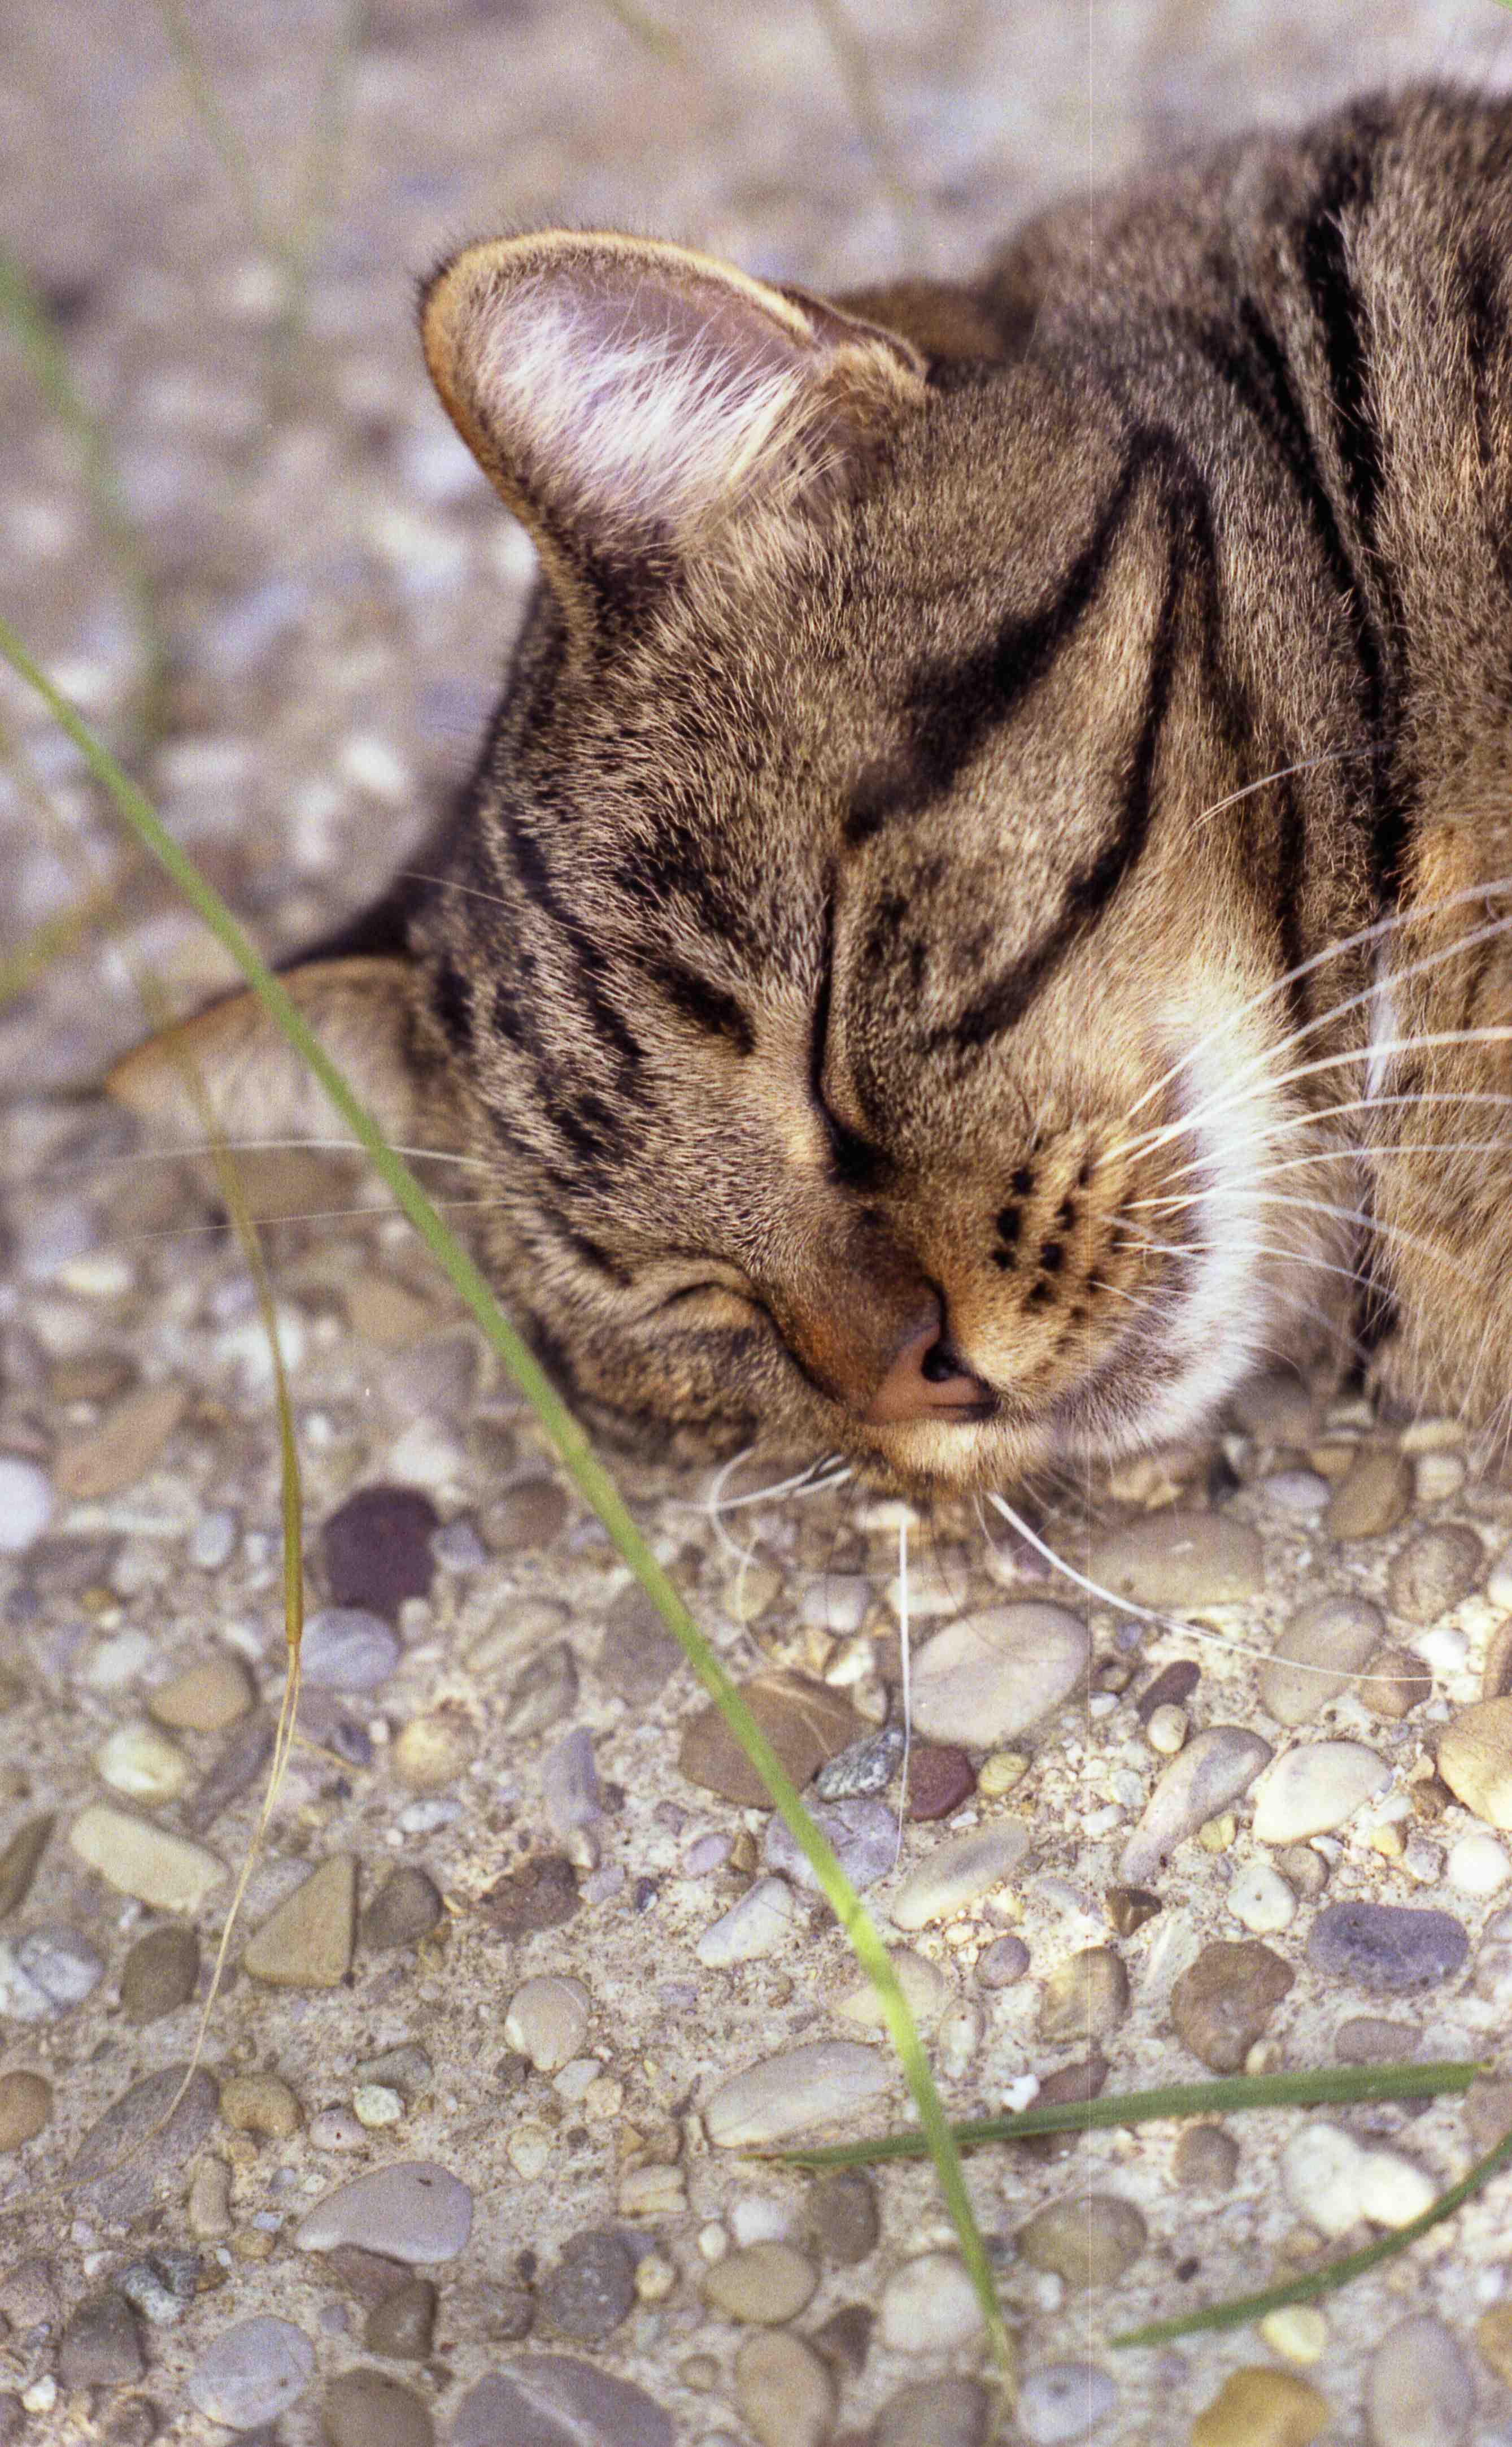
(862, 1032)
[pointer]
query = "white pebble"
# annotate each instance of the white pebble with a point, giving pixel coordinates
(1261, 1900)
(547, 2021)
(1477, 1865)
(823, 2084)
(1166, 1729)
(374, 2105)
(1314, 1788)
(930, 2306)
(139, 1761)
(413, 2210)
(1332, 2181)
(760, 1921)
(1419, 2392)
(26, 1504)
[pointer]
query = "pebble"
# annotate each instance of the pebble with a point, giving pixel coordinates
(842, 2217)
(25, 2108)
(1085, 1998)
(805, 1724)
(1088, 2240)
(1375, 1495)
(260, 2103)
(823, 2082)
(999, 1965)
(29, 2294)
(401, 2326)
(861, 1833)
(21, 1860)
(1437, 1476)
(541, 1894)
(367, 2408)
(591, 2288)
(1388, 1949)
(1419, 2391)
(405, 1908)
(1225, 2000)
(238, 1763)
(129, 2154)
(413, 2210)
(1261, 1901)
(764, 2286)
(26, 1504)
(1262, 2407)
(925, 1988)
(1314, 1788)
(347, 1648)
(547, 2021)
(638, 1655)
(308, 1942)
(1324, 1643)
(928, 2306)
(1180, 1559)
(212, 1540)
(542, 1693)
(434, 1750)
(864, 1766)
(251, 2373)
(145, 1765)
(375, 2105)
(958, 1871)
(60, 1965)
(989, 1676)
(784, 2391)
(837, 1603)
(1064, 2403)
(1493, 2342)
(1477, 1865)
(1332, 2181)
(1216, 1767)
(1396, 1682)
(106, 1459)
(1297, 2331)
(555, 2400)
(1205, 2159)
(571, 1793)
(1303, 1491)
(934, 2413)
(759, 1923)
(1475, 1759)
(137, 1858)
(204, 1699)
(1167, 1729)
(940, 1778)
(101, 2346)
(1433, 1571)
(209, 2205)
(533, 1512)
(377, 1548)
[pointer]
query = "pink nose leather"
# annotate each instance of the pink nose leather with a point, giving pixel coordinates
(913, 1389)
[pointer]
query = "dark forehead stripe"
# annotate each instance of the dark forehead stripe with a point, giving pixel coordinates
(711, 1008)
(609, 1024)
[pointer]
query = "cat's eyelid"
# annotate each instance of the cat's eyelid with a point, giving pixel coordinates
(855, 1160)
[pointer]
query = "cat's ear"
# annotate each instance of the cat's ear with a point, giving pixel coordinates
(237, 1060)
(630, 400)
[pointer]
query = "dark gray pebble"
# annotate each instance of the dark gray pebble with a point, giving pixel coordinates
(21, 1860)
(544, 1691)
(845, 2338)
(555, 2400)
(488, 2313)
(544, 1894)
(406, 1906)
(592, 2287)
(377, 1548)
(239, 1762)
(637, 1654)
(1172, 1687)
(1386, 1947)
(864, 1766)
(400, 2327)
(842, 2217)
(101, 2347)
(570, 1788)
(122, 2179)
(159, 1973)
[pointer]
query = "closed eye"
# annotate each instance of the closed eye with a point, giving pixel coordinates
(711, 1305)
(856, 1161)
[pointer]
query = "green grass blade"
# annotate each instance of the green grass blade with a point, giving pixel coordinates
(578, 1459)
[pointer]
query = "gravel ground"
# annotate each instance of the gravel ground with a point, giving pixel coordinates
(517, 1921)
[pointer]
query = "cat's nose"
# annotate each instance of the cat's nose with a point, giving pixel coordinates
(924, 1378)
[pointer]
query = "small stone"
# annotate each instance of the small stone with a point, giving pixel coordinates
(347, 1648)
(1002, 1962)
(413, 2210)
(367, 2276)
(987, 1677)
(1085, 1998)
(1129, 1907)
(934, 2413)
(544, 1691)
(1325, 1643)
(823, 2082)
(251, 2373)
(101, 2346)
(1166, 1729)
(377, 1548)
(206, 1698)
(1297, 2331)
(1205, 2159)
(759, 1923)
(107, 1459)
(533, 1512)
(1090, 2240)
(131, 2152)
(1437, 1476)
(307, 1943)
(1214, 1768)
(928, 2306)
(210, 2201)
(591, 2288)
(405, 1908)
(1493, 2342)
(959, 1871)
(842, 2217)
(925, 1988)
(29, 2294)
(638, 1655)
(939, 1778)
(1477, 1865)
(542, 1894)
(21, 1860)
(367, 2408)
(1302, 1492)
(861, 1833)
(1225, 1999)
(159, 1973)
(571, 1793)
(1386, 1947)
(863, 1768)
(1419, 2391)
(212, 1541)
(1433, 1571)
(547, 2021)
(1179, 1560)
(1374, 1496)
(1063, 2404)
(59, 1963)
(805, 1724)
(25, 2108)
(1332, 2181)
(138, 1859)
(134, 2421)
(555, 2400)
(239, 1762)
(1396, 1682)
(763, 2285)
(401, 2326)
(433, 1751)
(260, 2103)
(27, 1503)
(375, 2105)
(1261, 2407)
(143, 1764)
(784, 2391)
(1314, 1788)
(1475, 1759)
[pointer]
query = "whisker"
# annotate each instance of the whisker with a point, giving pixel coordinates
(905, 1648)
(1357, 1215)
(1284, 773)
(306, 1215)
(197, 1151)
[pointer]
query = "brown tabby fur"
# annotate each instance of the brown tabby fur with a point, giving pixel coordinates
(854, 903)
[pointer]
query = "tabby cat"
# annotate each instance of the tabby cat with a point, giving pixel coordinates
(977, 915)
